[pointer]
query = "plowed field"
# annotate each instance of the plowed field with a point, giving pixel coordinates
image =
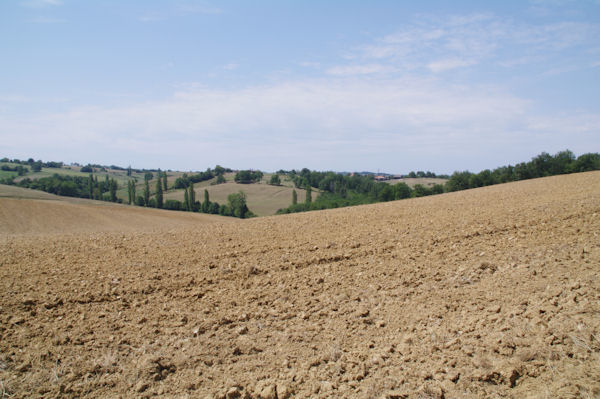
(491, 292)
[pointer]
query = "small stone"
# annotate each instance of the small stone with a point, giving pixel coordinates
(233, 393)
(268, 392)
(23, 367)
(396, 394)
(141, 386)
(326, 386)
(284, 391)
(242, 330)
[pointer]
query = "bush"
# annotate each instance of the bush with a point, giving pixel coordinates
(248, 176)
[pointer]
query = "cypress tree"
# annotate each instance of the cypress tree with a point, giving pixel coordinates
(129, 198)
(91, 186)
(294, 197)
(159, 193)
(133, 191)
(112, 187)
(146, 193)
(308, 194)
(206, 203)
(192, 197)
(186, 200)
(165, 188)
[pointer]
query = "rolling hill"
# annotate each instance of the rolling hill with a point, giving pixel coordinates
(489, 292)
(263, 199)
(24, 211)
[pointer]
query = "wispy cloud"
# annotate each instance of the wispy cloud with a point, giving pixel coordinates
(231, 66)
(151, 17)
(310, 64)
(447, 64)
(444, 44)
(301, 114)
(368, 69)
(363, 121)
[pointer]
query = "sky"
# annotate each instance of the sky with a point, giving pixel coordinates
(389, 86)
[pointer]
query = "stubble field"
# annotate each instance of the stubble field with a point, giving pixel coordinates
(492, 292)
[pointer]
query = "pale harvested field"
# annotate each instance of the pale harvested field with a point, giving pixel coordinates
(262, 199)
(24, 211)
(491, 292)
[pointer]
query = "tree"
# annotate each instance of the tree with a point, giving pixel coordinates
(237, 205)
(192, 197)
(459, 181)
(186, 200)
(248, 176)
(294, 197)
(206, 203)
(36, 166)
(308, 194)
(275, 181)
(587, 162)
(133, 190)
(146, 193)
(112, 188)
(165, 184)
(129, 171)
(221, 179)
(91, 186)
(219, 170)
(159, 193)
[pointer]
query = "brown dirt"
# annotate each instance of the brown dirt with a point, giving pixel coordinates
(491, 292)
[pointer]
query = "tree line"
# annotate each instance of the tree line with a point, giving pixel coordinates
(92, 187)
(75, 186)
(340, 190)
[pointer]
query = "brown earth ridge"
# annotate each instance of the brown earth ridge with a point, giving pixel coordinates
(492, 292)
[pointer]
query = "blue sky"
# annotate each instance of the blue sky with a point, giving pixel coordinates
(329, 85)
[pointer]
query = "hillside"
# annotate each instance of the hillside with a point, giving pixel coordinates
(263, 199)
(488, 292)
(24, 211)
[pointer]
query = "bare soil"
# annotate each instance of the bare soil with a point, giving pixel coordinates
(492, 292)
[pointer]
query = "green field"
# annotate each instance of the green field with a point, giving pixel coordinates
(262, 199)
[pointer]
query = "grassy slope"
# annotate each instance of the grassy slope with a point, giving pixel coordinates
(263, 199)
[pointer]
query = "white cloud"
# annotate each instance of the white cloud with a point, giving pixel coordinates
(309, 64)
(231, 66)
(448, 64)
(150, 17)
(324, 114)
(441, 44)
(368, 69)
